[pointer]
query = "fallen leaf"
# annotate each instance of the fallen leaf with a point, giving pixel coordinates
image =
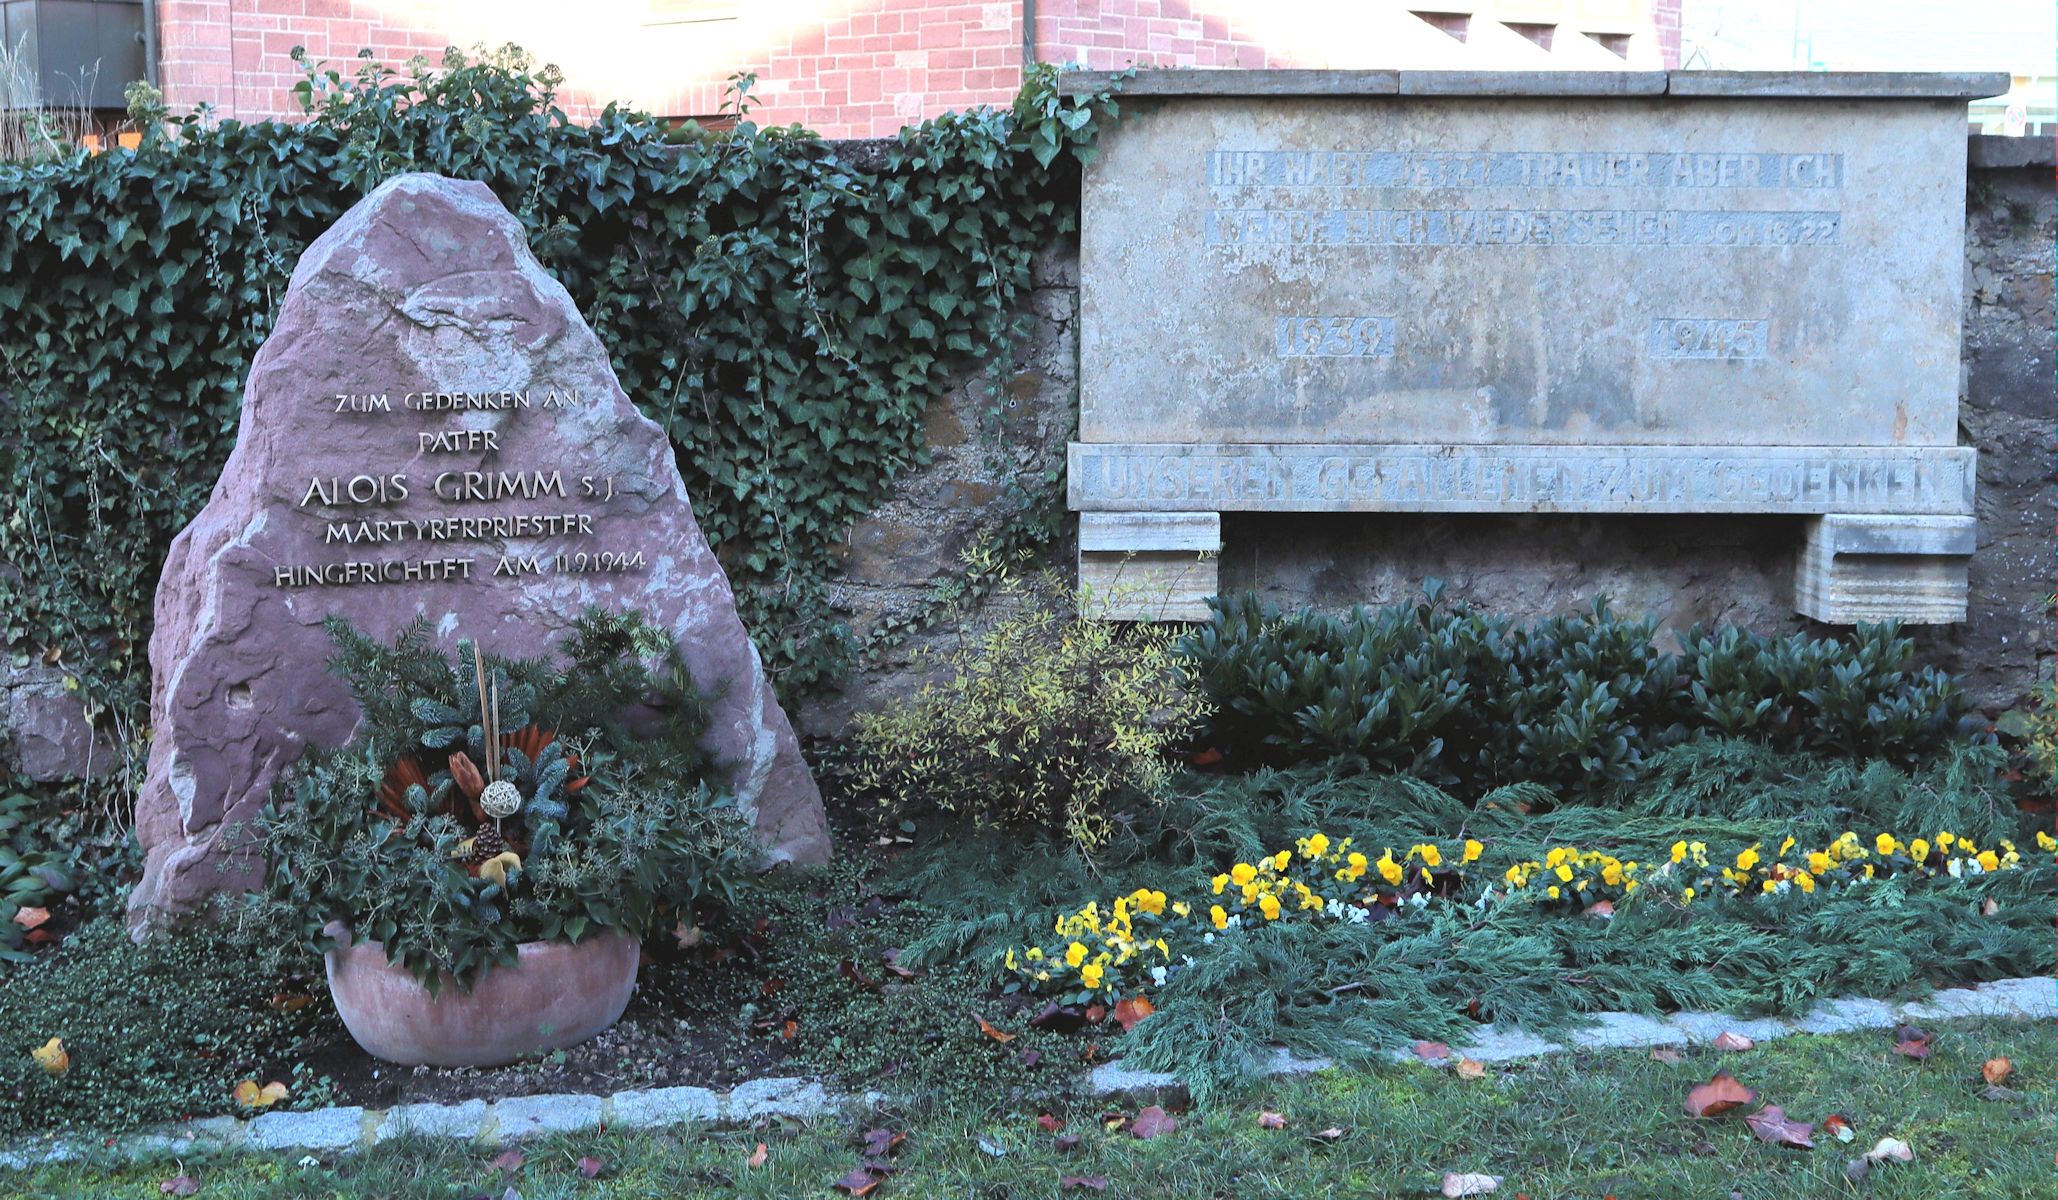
(1455, 1184)
(1891, 1149)
(1084, 1183)
(1836, 1126)
(986, 1027)
(1666, 1054)
(1991, 907)
(758, 1156)
(1065, 1018)
(1065, 1141)
(590, 1168)
(879, 1143)
(859, 1182)
(1994, 1091)
(1733, 1041)
(687, 936)
(1128, 1013)
(1206, 758)
(891, 959)
(250, 1096)
(1049, 1123)
(1911, 1041)
(1717, 1096)
(1997, 1070)
(787, 1030)
(988, 1146)
(29, 918)
(850, 971)
(290, 1002)
(1470, 1068)
(1153, 1122)
(1771, 1124)
(508, 1160)
(1271, 1120)
(179, 1185)
(1432, 1051)
(1029, 1058)
(1601, 910)
(1329, 1135)
(1096, 1012)
(51, 1056)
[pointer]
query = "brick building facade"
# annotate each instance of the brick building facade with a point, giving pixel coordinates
(861, 68)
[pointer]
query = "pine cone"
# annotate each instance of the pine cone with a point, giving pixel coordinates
(487, 844)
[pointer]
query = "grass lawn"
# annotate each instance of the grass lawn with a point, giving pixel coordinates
(1567, 1127)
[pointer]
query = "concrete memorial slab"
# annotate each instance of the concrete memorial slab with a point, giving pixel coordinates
(1634, 292)
(431, 431)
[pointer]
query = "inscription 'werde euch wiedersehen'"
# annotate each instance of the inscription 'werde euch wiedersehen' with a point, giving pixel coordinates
(1521, 169)
(358, 510)
(1520, 479)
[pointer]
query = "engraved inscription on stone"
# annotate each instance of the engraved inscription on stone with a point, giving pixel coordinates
(1519, 479)
(1334, 337)
(1579, 169)
(1517, 227)
(1690, 337)
(523, 503)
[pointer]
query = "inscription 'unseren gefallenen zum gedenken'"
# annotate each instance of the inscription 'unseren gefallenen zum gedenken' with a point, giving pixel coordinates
(358, 511)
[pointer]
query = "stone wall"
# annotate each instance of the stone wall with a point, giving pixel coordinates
(1682, 569)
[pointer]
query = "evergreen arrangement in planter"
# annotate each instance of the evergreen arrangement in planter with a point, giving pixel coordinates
(500, 817)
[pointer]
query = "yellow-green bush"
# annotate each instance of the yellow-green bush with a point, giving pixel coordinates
(1043, 721)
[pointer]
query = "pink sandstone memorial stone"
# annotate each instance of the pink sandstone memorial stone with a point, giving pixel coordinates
(430, 430)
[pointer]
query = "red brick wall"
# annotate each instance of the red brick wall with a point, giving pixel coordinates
(845, 68)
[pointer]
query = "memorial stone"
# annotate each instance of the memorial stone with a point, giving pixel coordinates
(1578, 293)
(430, 431)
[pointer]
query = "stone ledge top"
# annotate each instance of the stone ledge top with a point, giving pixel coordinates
(1811, 85)
(1992, 151)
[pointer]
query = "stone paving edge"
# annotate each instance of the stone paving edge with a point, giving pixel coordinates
(334, 1130)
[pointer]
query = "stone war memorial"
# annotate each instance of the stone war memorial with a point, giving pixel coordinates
(1635, 293)
(431, 430)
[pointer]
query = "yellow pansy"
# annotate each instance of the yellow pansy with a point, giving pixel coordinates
(2047, 842)
(1075, 954)
(1473, 850)
(1945, 839)
(1747, 859)
(1989, 860)
(1242, 873)
(1389, 869)
(1564, 873)
(1804, 881)
(1317, 845)
(1280, 860)
(1220, 918)
(1181, 908)
(1430, 854)
(1220, 882)
(1918, 849)
(1035, 954)
(1771, 885)
(1819, 863)
(1551, 891)
(1611, 874)
(1679, 852)
(1090, 975)
(1269, 905)
(1009, 962)
(1886, 844)
(1687, 896)
(1785, 846)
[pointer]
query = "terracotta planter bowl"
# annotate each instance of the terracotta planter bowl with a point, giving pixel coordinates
(556, 995)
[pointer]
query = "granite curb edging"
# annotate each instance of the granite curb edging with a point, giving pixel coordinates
(340, 1130)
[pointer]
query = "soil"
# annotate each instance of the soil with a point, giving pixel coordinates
(650, 1047)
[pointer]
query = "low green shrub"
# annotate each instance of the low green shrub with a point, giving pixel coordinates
(1043, 723)
(397, 835)
(154, 1031)
(1473, 701)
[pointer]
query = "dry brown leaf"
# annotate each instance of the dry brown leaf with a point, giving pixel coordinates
(1065, 1141)
(590, 1167)
(1891, 1149)
(1153, 1122)
(1666, 1054)
(1991, 907)
(1771, 1124)
(1455, 1184)
(758, 1156)
(250, 1096)
(51, 1056)
(1911, 1041)
(1733, 1041)
(1049, 1123)
(1128, 1013)
(1329, 1135)
(1470, 1068)
(30, 918)
(1432, 1051)
(879, 1143)
(508, 1160)
(1997, 1070)
(860, 1182)
(1085, 1183)
(1271, 1120)
(179, 1185)
(986, 1027)
(1601, 910)
(1718, 1096)
(1836, 1126)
